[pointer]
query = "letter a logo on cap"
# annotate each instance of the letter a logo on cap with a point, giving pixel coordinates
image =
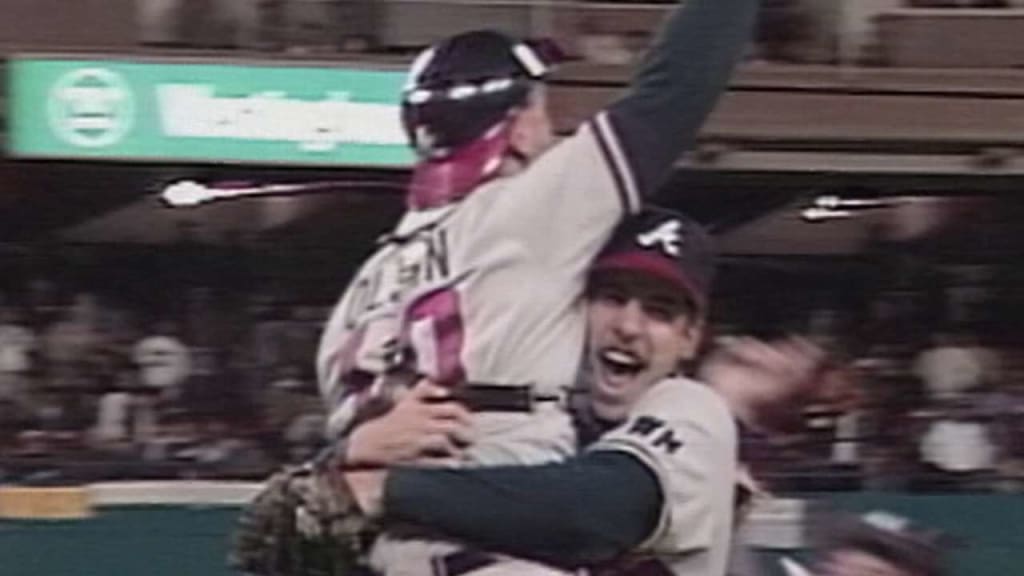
(666, 235)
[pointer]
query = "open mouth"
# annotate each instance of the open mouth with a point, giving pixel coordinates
(620, 362)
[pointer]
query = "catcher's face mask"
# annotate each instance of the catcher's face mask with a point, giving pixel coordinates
(469, 102)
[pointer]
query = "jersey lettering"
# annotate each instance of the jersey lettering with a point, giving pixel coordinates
(664, 438)
(645, 425)
(668, 441)
(423, 259)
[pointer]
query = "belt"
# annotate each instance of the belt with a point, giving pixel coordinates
(501, 398)
(461, 562)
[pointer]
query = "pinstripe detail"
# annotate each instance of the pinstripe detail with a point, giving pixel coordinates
(618, 163)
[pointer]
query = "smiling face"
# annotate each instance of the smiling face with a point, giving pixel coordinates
(641, 328)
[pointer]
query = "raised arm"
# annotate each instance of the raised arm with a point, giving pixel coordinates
(678, 84)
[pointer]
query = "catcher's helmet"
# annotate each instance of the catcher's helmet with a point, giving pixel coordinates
(463, 86)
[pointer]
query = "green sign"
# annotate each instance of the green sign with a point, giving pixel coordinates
(205, 112)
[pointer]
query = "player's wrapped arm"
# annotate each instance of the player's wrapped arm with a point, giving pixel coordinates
(589, 509)
(305, 523)
(647, 485)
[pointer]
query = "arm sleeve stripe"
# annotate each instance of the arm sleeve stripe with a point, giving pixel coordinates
(616, 159)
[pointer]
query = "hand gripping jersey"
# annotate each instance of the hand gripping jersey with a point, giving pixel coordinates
(684, 432)
(487, 290)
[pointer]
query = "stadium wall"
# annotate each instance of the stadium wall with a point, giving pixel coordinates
(185, 535)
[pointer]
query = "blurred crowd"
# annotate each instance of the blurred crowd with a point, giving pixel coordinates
(940, 374)
(122, 369)
(216, 380)
(789, 30)
(92, 389)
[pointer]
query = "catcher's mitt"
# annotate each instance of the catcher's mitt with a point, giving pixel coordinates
(301, 524)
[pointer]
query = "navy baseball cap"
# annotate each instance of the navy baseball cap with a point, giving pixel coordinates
(664, 244)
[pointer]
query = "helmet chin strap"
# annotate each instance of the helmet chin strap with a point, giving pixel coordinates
(436, 182)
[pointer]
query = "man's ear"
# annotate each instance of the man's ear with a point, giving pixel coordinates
(530, 125)
(518, 132)
(692, 337)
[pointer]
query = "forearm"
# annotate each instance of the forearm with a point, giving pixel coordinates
(586, 510)
(679, 82)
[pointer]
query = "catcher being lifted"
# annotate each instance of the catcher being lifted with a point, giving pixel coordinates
(644, 305)
(478, 288)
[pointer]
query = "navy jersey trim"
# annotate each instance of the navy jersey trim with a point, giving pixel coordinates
(622, 175)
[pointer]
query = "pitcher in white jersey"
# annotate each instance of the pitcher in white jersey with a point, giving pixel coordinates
(479, 285)
(654, 494)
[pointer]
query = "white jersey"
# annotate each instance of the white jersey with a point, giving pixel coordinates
(488, 290)
(684, 432)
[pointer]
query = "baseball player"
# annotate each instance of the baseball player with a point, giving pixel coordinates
(661, 483)
(478, 286)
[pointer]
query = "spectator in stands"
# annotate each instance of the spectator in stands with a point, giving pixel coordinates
(782, 28)
(288, 399)
(123, 414)
(959, 444)
(302, 335)
(208, 331)
(14, 419)
(17, 347)
(113, 429)
(173, 435)
(1004, 408)
(889, 452)
(164, 362)
(54, 429)
(72, 343)
(834, 430)
(267, 330)
(221, 452)
(64, 414)
(954, 365)
(968, 296)
(44, 307)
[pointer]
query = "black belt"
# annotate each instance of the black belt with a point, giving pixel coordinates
(476, 396)
(461, 562)
(501, 398)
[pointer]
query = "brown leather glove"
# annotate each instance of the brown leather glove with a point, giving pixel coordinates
(303, 523)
